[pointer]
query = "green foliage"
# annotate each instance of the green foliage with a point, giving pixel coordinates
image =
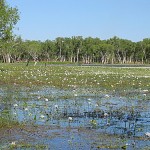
(80, 50)
(7, 123)
(8, 19)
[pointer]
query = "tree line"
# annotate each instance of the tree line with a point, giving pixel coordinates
(73, 49)
(77, 49)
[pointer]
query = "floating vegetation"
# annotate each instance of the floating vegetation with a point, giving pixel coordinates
(106, 113)
(81, 107)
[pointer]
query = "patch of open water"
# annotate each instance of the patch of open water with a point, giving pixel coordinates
(105, 113)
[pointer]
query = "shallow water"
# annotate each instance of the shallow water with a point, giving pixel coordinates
(123, 115)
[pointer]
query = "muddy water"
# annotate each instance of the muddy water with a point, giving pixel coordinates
(76, 115)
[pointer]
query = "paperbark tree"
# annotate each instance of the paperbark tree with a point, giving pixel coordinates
(8, 19)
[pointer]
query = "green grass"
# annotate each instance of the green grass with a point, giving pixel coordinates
(7, 123)
(109, 78)
(27, 146)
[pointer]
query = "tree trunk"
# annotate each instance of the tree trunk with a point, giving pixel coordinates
(7, 58)
(78, 50)
(74, 59)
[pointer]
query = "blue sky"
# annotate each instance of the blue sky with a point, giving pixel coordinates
(48, 19)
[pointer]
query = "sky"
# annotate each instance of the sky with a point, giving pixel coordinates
(49, 19)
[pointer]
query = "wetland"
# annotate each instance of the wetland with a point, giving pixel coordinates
(79, 107)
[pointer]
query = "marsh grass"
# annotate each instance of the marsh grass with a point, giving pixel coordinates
(27, 146)
(109, 78)
(103, 78)
(7, 123)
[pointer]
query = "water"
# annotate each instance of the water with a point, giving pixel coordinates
(100, 112)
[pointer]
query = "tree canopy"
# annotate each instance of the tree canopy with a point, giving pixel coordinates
(85, 50)
(73, 49)
(8, 19)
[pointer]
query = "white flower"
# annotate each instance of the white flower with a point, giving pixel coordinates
(56, 106)
(96, 105)
(15, 113)
(15, 105)
(75, 95)
(13, 143)
(107, 96)
(46, 99)
(89, 99)
(147, 134)
(39, 97)
(42, 116)
(105, 114)
(145, 90)
(26, 109)
(70, 119)
(89, 103)
(30, 114)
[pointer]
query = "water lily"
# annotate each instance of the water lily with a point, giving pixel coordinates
(70, 119)
(15, 105)
(89, 99)
(106, 114)
(96, 105)
(26, 109)
(145, 90)
(39, 97)
(46, 99)
(75, 95)
(15, 113)
(42, 116)
(89, 103)
(106, 96)
(13, 143)
(56, 106)
(147, 134)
